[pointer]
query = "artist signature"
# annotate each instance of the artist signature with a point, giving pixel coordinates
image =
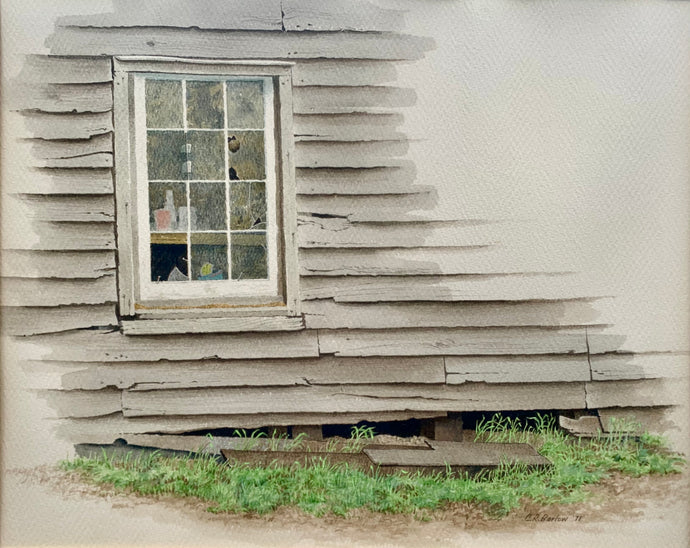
(544, 518)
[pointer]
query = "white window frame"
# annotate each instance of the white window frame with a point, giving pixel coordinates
(218, 305)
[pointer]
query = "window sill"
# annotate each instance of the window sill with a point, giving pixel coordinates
(243, 324)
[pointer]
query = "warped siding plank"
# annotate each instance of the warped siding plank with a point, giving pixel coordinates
(242, 324)
(85, 153)
(357, 15)
(377, 180)
(517, 369)
(351, 99)
(344, 72)
(327, 370)
(65, 98)
(44, 125)
(108, 429)
(229, 14)
(613, 367)
(80, 403)
(636, 393)
(519, 287)
(61, 264)
(45, 69)
(37, 320)
(64, 181)
(312, 154)
(67, 237)
(452, 341)
(239, 45)
(452, 259)
(346, 127)
(330, 315)
(100, 346)
(353, 398)
(378, 209)
(318, 233)
(52, 292)
(97, 160)
(78, 209)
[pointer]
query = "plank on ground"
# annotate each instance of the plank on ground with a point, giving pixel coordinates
(509, 369)
(48, 125)
(113, 346)
(78, 208)
(64, 98)
(37, 320)
(241, 45)
(606, 367)
(238, 373)
(63, 181)
(326, 314)
(357, 15)
(46, 69)
(343, 72)
(354, 398)
(52, 264)
(58, 292)
(453, 341)
(518, 287)
(351, 99)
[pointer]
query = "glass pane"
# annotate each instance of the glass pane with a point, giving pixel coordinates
(246, 155)
(248, 206)
(166, 155)
(207, 206)
(165, 202)
(169, 262)
(209, 256)
(207, 155)
(248, 255)
(205, 105)
(164, 103)
(245, 104)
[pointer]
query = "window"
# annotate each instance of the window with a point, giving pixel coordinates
(205, 190)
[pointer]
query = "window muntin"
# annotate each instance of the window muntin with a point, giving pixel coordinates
(206, 186)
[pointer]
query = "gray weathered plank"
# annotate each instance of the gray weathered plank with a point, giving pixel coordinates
(82, 403)
(378, 180)
(63, 181)
(67, 237)
(64, 98)
(452, 259)
(449, 288)
(45, 69)
(343, 72)
(57, 264)
(209, 14)
(48, 125)
(114, 346)
(107, 429)
(357, 15)
(452, 341)
(37, 320)
(327, 370)
(351, 99)
(326, 314)
(636, 393)
(78, 208)
(237, 45)
(379, 209)
(242, 324)
(95, 152)
(54, 292)
(96, 160)
(346, 127)
(353, 398)
(313, 154)
(517, 369)
(607, 367)
(615, 339)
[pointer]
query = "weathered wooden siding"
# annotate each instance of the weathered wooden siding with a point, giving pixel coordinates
(408, 312)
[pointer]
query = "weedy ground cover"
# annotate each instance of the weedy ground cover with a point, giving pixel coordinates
(322, 488)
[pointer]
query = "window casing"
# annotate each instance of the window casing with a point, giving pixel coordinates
(205, 188)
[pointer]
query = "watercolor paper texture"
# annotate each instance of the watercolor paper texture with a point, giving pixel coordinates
(375, 209)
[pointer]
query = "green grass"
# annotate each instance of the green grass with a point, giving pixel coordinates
(322, 488)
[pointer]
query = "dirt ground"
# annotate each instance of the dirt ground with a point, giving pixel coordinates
(45, 506)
